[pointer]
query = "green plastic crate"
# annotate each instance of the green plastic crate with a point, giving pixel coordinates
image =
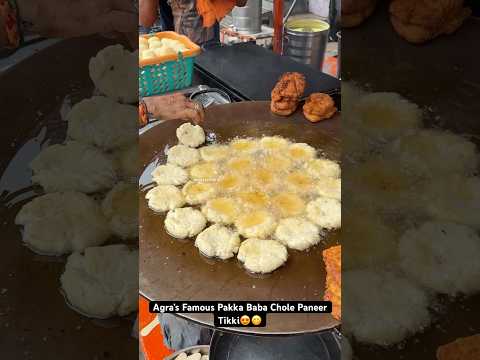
(166, 77)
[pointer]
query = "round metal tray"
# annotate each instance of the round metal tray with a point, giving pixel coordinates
(173, 270)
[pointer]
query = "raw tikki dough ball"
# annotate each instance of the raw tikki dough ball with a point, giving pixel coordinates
(243, 165)
(164, 198)
(244, 146)
(288, 204)
(197, 193)
(318, 168)
(262, 256)
(442, 256)
(221, 210)
(384, 116)
(103, 282)
(329, 187)
(273, 143)
(253, 200)
(162, 50)
(170, 174)
(230, 183)
(435, 153)
(454, 198)
(183, 156)
(120, 207)
(214, 152)
(60, 223)
(395, 308)
(325, 212)
(147, 54)
(299, 182)
(259, 224)
(301, 152)
(191, 135)
(103, 122)
(196, 356)
(205, 172)
(218, 241)
(297, 233)
(185, 222)
(73, 166)
(277, 163)
(114, 71)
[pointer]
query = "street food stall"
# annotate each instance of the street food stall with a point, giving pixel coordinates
(234, 82)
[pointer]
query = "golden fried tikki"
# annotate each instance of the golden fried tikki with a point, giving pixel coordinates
(319, 107)
(418, 21)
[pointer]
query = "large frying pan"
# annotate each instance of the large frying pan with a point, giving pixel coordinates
(443, 77)
(35, 321)
(174, 270)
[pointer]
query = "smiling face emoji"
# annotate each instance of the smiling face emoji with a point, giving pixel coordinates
(245, 320)
(256, 320)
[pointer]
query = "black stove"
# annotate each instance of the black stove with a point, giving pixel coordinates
(252, 71)
(249, 72)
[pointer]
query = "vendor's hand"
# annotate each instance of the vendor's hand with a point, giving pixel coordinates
(73, 18)
(174, 107)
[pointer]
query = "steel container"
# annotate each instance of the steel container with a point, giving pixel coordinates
(248, 19)
(305, 40)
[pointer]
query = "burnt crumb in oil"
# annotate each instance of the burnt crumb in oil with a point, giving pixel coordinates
(112, 68)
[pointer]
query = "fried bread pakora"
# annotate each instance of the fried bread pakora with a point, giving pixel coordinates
(287, 93)
(319, 107)
(419, 21)
(333, 263)
(461, 349)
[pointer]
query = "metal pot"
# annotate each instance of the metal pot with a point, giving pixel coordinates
(248, 19)
(202, 349)
(305, 39)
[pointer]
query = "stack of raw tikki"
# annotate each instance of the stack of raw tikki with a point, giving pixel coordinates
(287, 93)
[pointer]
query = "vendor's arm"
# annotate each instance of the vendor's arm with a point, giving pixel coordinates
(170, 107)
(148, 12)
(72, 18)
